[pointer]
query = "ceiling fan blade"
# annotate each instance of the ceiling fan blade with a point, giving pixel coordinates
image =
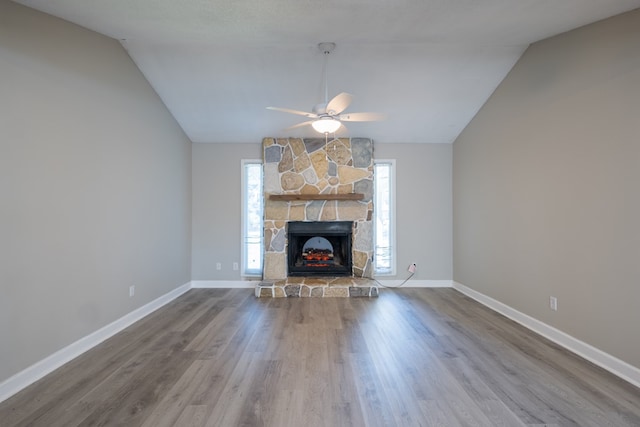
(298, 112)
(361, 117)
(339, 103)
(299, 125)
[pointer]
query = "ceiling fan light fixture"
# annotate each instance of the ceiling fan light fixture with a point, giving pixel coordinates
(326, 125)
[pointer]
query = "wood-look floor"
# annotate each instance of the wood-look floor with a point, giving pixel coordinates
(412, 357)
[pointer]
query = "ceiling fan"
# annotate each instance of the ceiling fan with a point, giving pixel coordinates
(327, 117)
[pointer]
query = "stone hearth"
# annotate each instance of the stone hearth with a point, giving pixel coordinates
(345, 287)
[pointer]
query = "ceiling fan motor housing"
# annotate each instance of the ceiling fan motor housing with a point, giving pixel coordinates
(320, 109)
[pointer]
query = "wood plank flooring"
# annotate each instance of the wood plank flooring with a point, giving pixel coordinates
(412, 357)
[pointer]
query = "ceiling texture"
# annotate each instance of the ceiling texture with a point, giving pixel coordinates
(429, 65)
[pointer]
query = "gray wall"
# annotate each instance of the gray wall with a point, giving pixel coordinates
(217, 208)
(423, 208)
(545, 185)
(94, 187)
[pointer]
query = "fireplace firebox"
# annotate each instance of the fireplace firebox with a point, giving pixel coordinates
(319, 248)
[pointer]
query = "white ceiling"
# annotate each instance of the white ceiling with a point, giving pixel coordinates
(428, 64)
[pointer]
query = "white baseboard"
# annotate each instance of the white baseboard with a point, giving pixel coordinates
(606, 361)
(33, 373)
(216, 284)
(416, 283)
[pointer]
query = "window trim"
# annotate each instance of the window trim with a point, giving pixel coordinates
(245, 272)
(392, 218)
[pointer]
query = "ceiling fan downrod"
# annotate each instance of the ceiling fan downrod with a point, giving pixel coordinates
(326, 48)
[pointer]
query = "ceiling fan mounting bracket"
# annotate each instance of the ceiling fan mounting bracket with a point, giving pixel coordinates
(326, 47)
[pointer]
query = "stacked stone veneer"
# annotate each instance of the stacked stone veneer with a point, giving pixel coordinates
(315, 166)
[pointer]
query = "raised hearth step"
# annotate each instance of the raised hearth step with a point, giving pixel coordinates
(341, 287)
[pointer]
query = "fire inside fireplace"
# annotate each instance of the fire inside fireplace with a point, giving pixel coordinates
(317, 252)
(319, 248)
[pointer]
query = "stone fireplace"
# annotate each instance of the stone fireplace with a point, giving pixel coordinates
(309, 180)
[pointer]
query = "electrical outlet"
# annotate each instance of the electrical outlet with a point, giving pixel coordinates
(132, 291)
(235, 266)
(553, 303)
(218, 266)
(412, 268)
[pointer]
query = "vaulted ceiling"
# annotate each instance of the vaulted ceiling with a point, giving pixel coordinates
(429, 65)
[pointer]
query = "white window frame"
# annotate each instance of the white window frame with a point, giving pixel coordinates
(391, 271)
(246, 271)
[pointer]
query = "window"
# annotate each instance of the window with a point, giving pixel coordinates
(252, 222)
(384, 226)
